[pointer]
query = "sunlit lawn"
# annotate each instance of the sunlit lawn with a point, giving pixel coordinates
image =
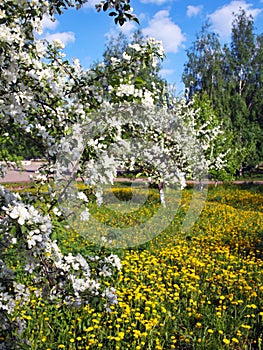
(202, 289)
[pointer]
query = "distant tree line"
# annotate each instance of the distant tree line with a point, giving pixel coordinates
(231, 77)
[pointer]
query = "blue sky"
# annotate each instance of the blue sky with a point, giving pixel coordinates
(174, 22)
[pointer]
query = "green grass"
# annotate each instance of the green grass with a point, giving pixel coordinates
(201, 289)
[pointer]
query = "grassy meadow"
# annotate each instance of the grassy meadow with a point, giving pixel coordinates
(202, 289)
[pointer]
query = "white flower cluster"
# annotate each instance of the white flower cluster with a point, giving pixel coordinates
(146, 96)
(44, 261)
(125, 89)
(48, 98)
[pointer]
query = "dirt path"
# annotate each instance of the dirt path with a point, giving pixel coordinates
(16, 176)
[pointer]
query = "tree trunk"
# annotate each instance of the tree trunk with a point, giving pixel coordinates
(161, 193)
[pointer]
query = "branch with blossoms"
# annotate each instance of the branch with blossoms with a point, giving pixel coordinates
(85, 121)
(60, 278)
(35, 97)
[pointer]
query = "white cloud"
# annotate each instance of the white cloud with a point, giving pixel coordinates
(193, 11)
(128, 27)
(165, 72)
(91, 4)
(155, 2)
(162, 28)
(64, 37)
(48, 24)
(223, 17)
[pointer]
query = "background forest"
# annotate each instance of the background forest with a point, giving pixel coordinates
(231, 78)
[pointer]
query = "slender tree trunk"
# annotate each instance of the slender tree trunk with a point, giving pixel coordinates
(161, 193)
(201, 185)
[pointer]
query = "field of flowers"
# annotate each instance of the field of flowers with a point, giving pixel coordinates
(197, 290)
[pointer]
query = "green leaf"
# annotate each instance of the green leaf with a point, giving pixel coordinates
(13, 230)
(122, 21)
(135, 19)
(105, 6)
(139, 82)
(24, 229)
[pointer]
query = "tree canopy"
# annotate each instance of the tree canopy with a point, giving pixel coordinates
(86, 124)
(231, 76)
